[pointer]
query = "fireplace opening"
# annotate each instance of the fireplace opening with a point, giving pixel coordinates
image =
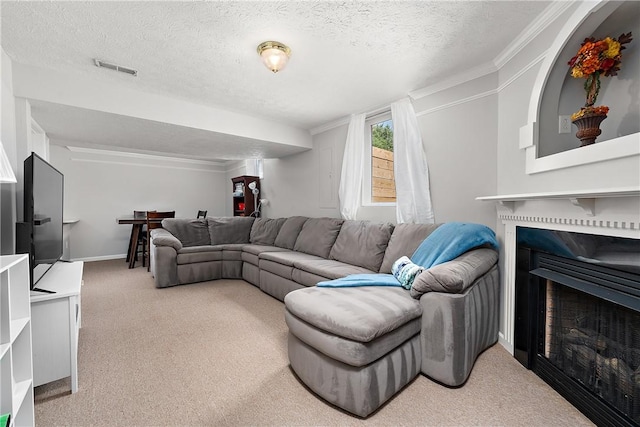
(578, 320)
(596, 343)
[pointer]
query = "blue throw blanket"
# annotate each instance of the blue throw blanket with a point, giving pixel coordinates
(451, 240)
(354, 280)
(447, 242)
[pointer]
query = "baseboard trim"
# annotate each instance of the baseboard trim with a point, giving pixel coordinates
(100, 258)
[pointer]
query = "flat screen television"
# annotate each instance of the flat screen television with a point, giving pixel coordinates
(40, 235)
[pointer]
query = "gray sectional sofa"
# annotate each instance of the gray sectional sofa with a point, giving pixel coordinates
(355, 347)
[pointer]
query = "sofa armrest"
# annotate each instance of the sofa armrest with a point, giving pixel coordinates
(164, 265)
(162, 237)
(456, 275)
(456, 328)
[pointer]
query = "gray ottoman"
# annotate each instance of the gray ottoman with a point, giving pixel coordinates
(354, 347)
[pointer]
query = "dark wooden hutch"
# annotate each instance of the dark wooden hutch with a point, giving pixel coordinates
(244, 201)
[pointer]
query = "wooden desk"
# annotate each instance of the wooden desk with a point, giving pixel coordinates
(137, 224)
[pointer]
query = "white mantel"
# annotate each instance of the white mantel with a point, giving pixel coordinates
(609, 212)
(584, 199)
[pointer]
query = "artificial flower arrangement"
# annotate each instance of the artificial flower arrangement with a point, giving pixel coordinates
(596, 58)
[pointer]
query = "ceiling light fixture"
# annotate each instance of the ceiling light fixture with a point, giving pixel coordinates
(274, 55)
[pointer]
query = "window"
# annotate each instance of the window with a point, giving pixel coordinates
(379, 183)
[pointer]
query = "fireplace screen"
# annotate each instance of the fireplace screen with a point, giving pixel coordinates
(595, 342)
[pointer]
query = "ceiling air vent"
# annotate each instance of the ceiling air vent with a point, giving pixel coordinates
(115, 67)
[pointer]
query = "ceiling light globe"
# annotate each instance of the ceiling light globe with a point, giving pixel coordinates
(274, 55)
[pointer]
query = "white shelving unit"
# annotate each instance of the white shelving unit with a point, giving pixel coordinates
(16, 364)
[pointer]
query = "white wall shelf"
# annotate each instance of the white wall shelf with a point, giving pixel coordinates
(16, 365)
(617, 148)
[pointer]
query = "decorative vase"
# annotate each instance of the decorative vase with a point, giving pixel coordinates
(589, 127)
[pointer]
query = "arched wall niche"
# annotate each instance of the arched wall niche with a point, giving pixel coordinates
(556, 93)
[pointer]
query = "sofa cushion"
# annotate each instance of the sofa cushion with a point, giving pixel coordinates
(318, 236)
(265, 230)
(258, 249)
(190, 232)
(275, 268)
(360, 314)
(404, 241)
(194, 254)
(288, 257)
(457, 275)
(351, 352)
(362, 243)
(230, 229)
(328, 268)
(289, 231)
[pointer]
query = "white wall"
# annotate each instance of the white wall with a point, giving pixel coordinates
(99, 187)
(8, 135)
(459, 133)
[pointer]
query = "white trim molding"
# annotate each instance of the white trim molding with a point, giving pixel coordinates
(144, 156)
(545, 19)
(92, 155)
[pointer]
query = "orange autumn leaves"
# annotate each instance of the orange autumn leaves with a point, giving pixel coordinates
(599, 56)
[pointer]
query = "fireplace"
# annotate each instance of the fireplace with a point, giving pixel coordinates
(577, 319)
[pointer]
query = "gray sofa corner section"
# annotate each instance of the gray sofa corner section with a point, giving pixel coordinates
(455, 304)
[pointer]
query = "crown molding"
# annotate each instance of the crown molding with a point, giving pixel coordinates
(327, 126)
(536, 27)
(144, 156)
(457, 102)
(458, 79)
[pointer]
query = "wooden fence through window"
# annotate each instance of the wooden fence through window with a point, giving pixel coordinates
(383, 187)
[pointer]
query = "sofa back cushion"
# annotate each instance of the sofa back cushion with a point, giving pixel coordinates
(190, 232)
(403, 242)
(289, 231)
(265, 230)
(230, 229)
(362, 243)
(318, 236)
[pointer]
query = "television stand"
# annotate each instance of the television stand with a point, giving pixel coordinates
(43, 290)
(55, 323)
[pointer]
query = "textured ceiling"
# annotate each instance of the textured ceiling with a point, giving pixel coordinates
(347, 57)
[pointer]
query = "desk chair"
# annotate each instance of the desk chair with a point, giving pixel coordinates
(202, 214)
(141, 244)
(151, 215)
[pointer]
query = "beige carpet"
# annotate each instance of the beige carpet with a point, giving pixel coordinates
(215, 354)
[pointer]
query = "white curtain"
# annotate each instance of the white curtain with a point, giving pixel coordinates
(411, 173)
(352, 165)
